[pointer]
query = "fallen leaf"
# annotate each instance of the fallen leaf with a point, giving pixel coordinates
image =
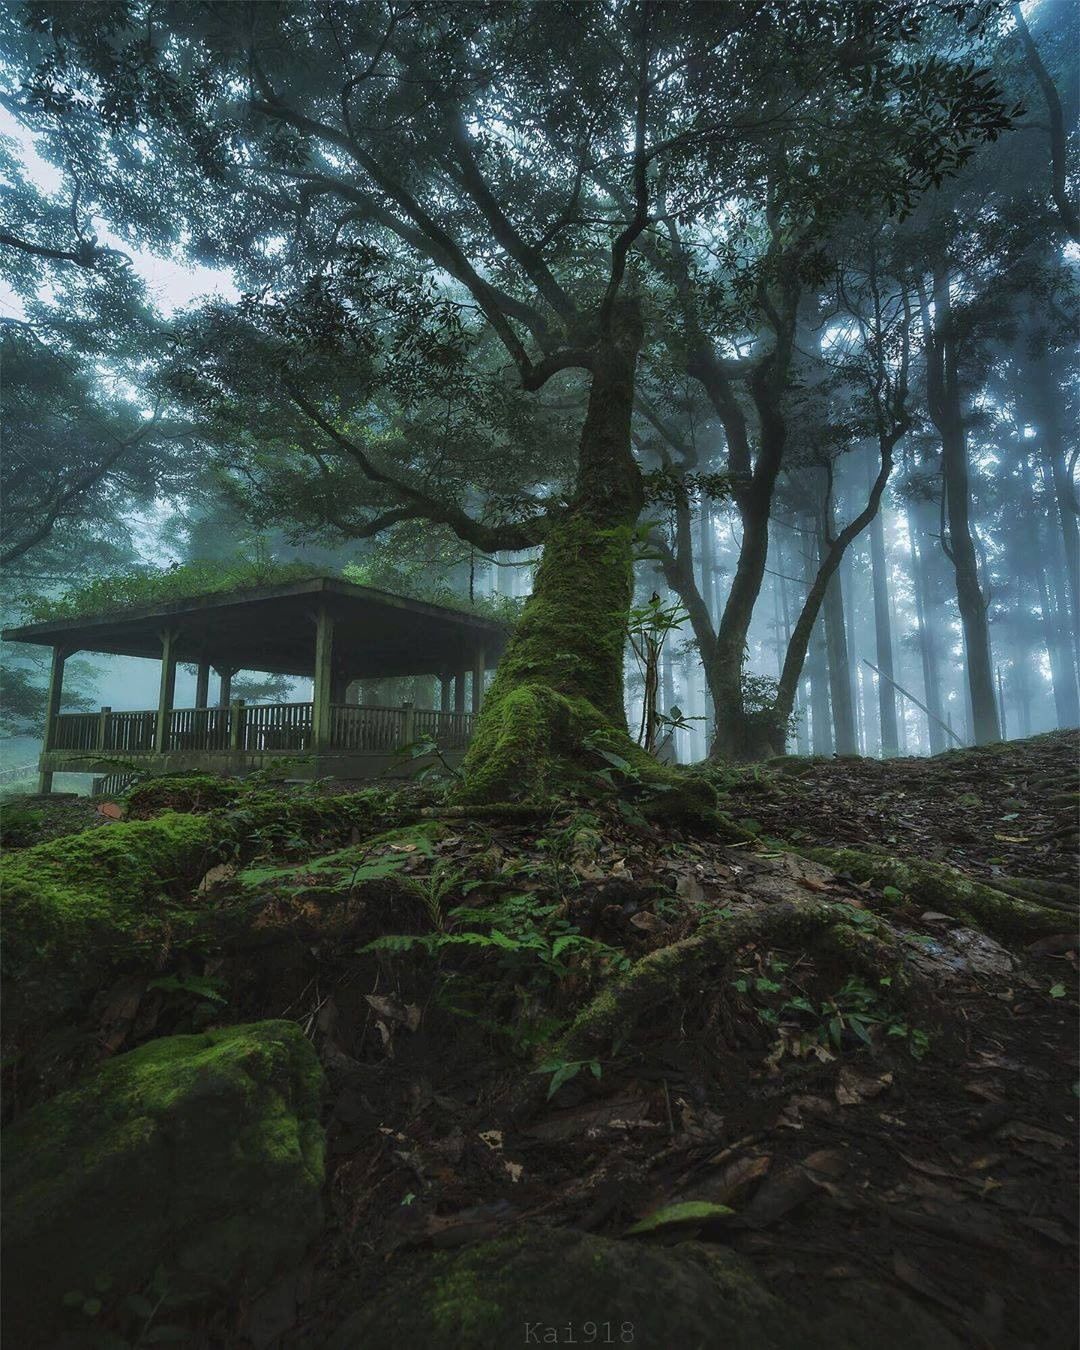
(392, 1011)
(914, 1278)
(111, 811)
(647, 922)
(736, 1178)
(852, 1089)
(1030, 1134)
(684, 1212)
(688, 888)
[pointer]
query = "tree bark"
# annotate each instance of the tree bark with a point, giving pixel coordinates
(839, 665)
(927, 639)
(883, 641)
(943, 390)
(562, 672)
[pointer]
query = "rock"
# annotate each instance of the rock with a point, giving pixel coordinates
(489, 1297)
(201, 1156)
(570, 1285)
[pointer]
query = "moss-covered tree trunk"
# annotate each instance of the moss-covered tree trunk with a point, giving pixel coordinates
(562, 673)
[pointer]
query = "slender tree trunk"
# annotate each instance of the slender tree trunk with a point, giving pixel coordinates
(883, 641)
(943, 387)
(1062, 671)
(839, 666)
(928, 650)
(821, 732)
(707, 554)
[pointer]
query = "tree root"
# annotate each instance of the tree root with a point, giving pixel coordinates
(943, 888)
(1049, 894)
(659, 978)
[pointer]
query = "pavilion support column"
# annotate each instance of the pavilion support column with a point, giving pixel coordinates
(53, 700)
(479, 663)
(324, 679)
(446, 691)
(225, 674)
(167, 691)
(459, 692)
(202, 685)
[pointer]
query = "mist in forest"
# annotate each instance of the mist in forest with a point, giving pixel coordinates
(855, 409)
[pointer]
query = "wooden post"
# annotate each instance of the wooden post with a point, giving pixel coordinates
(167, 691)
(225, 674)
(446, 683)
(478, 679)
(236, 724)
(52, 710)
(202, 685)
(408, 730)
(459, 692)
(103, 728)
(324, 673)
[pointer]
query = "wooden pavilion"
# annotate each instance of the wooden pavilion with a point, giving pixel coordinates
(321, 627)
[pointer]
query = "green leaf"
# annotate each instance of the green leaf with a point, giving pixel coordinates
(623, 765)
(892, 894)
(683, 1212)
(92, 1307)
(1057, 991)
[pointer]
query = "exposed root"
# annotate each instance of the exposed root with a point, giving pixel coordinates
(1048, 894)
(938, 887)
(659, 978)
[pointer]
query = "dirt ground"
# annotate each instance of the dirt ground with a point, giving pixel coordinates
(927, 1143)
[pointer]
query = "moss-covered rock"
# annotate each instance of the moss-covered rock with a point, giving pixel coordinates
(564, 1287)
(201, 1155)
(74, 901)
(181, 792)
(510, 1292)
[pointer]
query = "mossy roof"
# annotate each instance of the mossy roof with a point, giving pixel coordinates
(376, 633)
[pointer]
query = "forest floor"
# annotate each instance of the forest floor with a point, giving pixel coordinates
(838, 1134)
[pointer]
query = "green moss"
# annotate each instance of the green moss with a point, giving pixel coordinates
(181, 792)
(935, 886)
(203, 576)
(199, 1154)
(485, 1298)
(71, 897)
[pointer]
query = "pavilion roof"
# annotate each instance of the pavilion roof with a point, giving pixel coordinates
(271, 628)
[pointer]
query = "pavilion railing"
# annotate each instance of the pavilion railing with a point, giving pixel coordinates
(128, 733)
(275, 726)
(198, 729)
(361, 728)
(449, 730)
(75, 731)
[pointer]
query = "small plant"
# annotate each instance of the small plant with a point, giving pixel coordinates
(562, 1070)
(856, 1010)
(431, 891)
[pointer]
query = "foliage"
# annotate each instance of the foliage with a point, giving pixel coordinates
(164, 585)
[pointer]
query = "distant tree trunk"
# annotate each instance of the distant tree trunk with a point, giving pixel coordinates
(817, 670)
(943, 389)
(883, 638)
(839, 669)
(928, 650)
(1021, 682)
(707, 554)
(1062, 670)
